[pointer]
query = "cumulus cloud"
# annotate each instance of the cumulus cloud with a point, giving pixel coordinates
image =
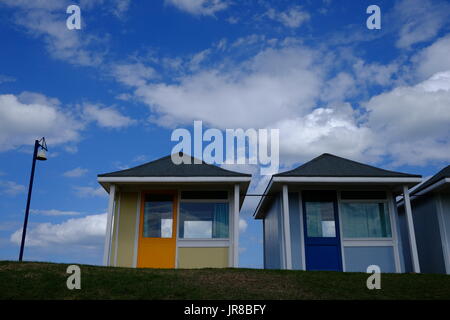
(106, 117)
(242, 225)
(75, 173)
(199, 7)
(293, 17)
(434, 58)
(277, 82)
(11, 188)
(87, 232)
(55, 212)
(419, 20)
(305, 92)
(45, 19)
(28, 116)
(333, 130)
(412, 122)
(86, 192)
(133, 74)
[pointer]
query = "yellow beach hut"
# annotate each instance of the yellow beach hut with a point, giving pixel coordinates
(167, 215)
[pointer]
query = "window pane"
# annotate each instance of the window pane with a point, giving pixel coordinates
(158, 216)
(320, 219)
(366, 220)
(203, 220)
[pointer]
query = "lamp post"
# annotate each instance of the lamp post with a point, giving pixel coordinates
(40, 146)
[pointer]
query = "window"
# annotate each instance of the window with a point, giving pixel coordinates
(204, 194)
(320, 219)
(158, 216)
(363, 195)
(203, 220)
(365, 220)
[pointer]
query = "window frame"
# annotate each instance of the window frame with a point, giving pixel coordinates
(175, 208)
(181, 201)
(384, 201)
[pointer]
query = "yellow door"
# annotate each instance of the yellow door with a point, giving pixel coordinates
(157, 230)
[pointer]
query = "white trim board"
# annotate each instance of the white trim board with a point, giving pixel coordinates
(348, 179)
(430, 188)
(116, 245)
(393, 215)
(172, 179)
(286, 228)
(302, 231)
(341, 230)
(443, 232)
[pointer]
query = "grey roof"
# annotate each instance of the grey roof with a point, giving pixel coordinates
(328, 165)
(164, 167)
(444, 173)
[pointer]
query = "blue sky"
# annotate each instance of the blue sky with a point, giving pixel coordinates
(108, 97)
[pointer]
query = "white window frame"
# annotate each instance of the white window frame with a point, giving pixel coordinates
(379, 239)
(202, 242)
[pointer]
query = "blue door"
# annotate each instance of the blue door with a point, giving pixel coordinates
(321, 224)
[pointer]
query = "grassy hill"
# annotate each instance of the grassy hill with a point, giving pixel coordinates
(33, 280)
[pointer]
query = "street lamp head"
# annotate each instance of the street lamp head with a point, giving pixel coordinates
(41, 155)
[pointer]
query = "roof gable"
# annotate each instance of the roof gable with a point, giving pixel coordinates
(164, 167)
(329, 165)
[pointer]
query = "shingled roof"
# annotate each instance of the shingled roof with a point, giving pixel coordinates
(329, 165)
(164, 167)
(330, 169)
(444, 173)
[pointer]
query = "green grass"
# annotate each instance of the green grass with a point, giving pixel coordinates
(35, 280)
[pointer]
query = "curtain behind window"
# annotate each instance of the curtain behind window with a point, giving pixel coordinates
(220, 220)
(366, 220)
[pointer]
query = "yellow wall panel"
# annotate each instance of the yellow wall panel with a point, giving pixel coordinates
(189, 258)
(127, 228)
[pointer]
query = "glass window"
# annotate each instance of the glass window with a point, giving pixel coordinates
(320, 219)
(158, 216)
(203, 220)
(204, 194)
(363, 195)
(365, 220)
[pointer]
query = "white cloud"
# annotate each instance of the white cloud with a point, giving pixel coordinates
(412, 123)
(121, 7)
(45, 19)
(280, 82)
(106, 117)
(294, 17)
(419, 20)
(199, 7)
(242, 225)
(304, 92)
(434, 58)
(61, 42)
(29, 116)
(55, 212)
(332, 130)
(198, 58)
(75, 173)
(11, 188)
(85, 192)
(86, 232)
(133, 74)
(4, 79)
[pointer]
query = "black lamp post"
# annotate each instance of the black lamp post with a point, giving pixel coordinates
(39, 154)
